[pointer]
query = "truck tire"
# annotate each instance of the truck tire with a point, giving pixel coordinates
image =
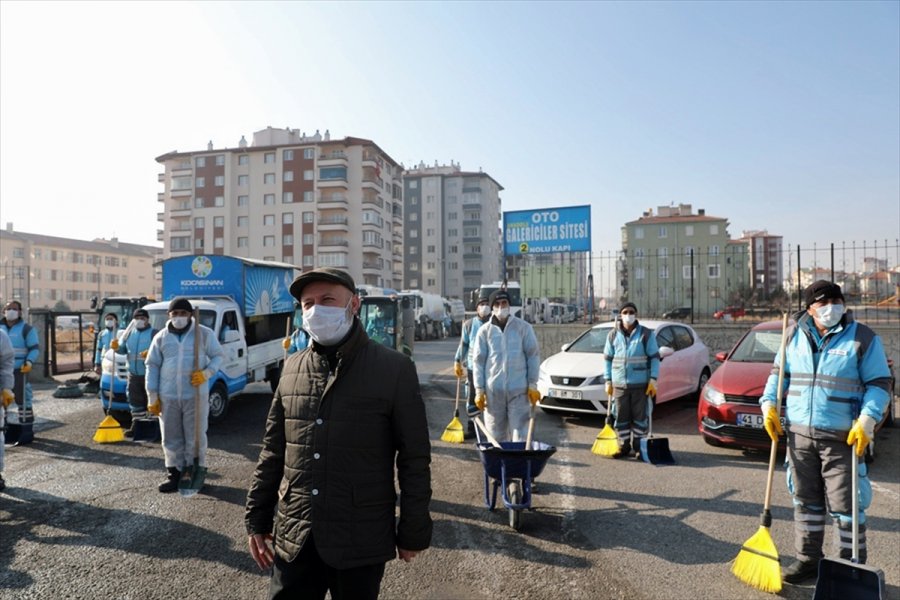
(218, 402)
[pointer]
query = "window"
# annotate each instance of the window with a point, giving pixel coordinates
(287, 155)
(287, 218)
(243, 159)
(414, 283)
(243, 200)
(413, 250)
(430, 249)
(639, 272)
(218, 243)
(713, 250)
(288, 176)
(689, 230)
(662, 252)
(307, 239)
(269, 199)
(663, 271)
(452, 216)
(218, 221)
(413, 217)
(663, 231)
(308, 260)
(243, 221)
(413, 200)
(308, 175)
(181, 183)
(413, 184)
(453, 232)
(269, 178)
(200, 162)
(242, 180)
(287, 197)
(413, 266)
(220, 160)
(198, 244)
(454, 249)
(330, 173)
(712, 271)
(638, 233)
(242, 242)
(268, 219)
(307, 196)
(269, 158)
(287, 240)
(309, 153)
(201, 182)
(220, 180)
(639, 253)
(413, 233)
(332, 259)
(220, 201)
(178, 244)
(268, 241)
(198, 202)
(429, 232)
(688, 273)
(688, 250)
(308, 217)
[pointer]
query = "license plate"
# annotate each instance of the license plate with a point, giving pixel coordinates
(565, 394)
(755, 420)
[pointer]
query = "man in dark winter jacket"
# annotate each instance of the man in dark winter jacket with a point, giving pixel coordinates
(346, 413)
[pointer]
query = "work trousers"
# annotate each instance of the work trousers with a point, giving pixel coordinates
(137, 395)
(632, 416)
(177, 429)
(2, 435)
(307, 577)
(471, 410)
(24, 397)
(818, 476)
(506, 416)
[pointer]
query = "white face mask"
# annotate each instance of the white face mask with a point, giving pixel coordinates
(11, 314)
(327, 325)
(501, 313)
(484, 311)
(180, 322)
(829, 315)
(140, 323)
(629, 320)
(110, 323)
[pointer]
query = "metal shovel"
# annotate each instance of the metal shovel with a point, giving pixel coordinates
(655, 450)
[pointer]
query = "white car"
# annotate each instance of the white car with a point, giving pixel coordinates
(572, 381)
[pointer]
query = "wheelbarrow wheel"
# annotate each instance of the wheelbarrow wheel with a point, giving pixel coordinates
(514, 489)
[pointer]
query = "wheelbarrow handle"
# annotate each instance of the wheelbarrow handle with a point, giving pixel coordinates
(484, 430)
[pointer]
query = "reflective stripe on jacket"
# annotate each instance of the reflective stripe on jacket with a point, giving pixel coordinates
(136, 342)
(24, 340)
(629, 361)
(467, 341)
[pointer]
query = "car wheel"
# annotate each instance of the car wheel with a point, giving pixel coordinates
(704, 377)
(712, 441)
(218, 402)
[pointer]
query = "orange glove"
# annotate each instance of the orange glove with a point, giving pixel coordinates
(458, 370)
(155, 408)
(7, 397)
(609, 389)
(772, 423)
(861, 433)
(143, 354)
(26, 368)
(114, 344)
(533, 396)
(651, 387)
(286, 343)
(198, 378)
(480, 400)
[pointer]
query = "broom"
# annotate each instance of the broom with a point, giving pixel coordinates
(757, 563)
(454, 432)
(110, 431)
(607, 442)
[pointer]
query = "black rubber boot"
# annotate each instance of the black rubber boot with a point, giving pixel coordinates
(470, 431)
(171, 484)
(2, 483)
(800, 571)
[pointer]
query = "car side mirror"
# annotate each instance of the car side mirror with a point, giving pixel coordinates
(665, 351)
(231, 336)
(720, 356)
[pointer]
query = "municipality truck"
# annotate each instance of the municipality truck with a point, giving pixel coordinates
(247, 304)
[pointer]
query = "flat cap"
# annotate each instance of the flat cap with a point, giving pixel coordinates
(822, 290)
(498, 295)
(329, 274)
(180, 304)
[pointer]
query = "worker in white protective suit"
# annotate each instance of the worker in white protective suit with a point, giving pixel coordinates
(171, 381)
(505, 362)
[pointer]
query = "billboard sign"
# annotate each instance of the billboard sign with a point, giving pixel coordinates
(565, 229)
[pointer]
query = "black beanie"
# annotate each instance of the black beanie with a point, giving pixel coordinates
(822, 290)
(629, 305)
(180, 304)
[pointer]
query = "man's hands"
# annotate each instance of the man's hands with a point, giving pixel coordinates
(651, 388)
(114, 344)
(7, 397)
(458, 370)
(609, 389)
(861, 433)
(771, 421)
(26, 368)
(407, 555)
(198, 378)
(533, 396)
(286, 343)
(480, 399)
(155, 408)
(261, 550)
(143, 354)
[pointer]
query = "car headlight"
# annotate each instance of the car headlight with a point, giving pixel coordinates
(713, 396)
(598, 380)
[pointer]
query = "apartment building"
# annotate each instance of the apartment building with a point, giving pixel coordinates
(451, 227)
(765, 254)
(42, 271)
(676, 257)
(308, 200)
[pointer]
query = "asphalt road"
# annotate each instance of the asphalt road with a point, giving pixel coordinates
(84, 520)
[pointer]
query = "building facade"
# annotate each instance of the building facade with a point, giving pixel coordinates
(306, 200)
(678, 258)
(451, 229)
(766, 258)
(42, 271)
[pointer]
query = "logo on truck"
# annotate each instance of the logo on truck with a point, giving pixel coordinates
(201, 266)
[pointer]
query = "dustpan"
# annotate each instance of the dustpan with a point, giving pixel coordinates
(655, 450)
(146, 429)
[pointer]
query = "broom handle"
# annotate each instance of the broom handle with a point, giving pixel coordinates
(456, 406)
(778, 396)
(530, 435)
(854, 473)
(197, 339)
(487, 434)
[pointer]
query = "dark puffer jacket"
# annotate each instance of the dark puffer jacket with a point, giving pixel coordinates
(328, 457)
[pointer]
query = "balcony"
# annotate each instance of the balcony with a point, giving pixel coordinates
(161, 197)
(332, 200)
(333, 242)
(338, 182)
(182, 171)
(161, 217)
(376, 200)
(371, 184)
(185, 193)
(333, 223)
(160, 235)
(332, 159)
(179, 212)
(369, 160)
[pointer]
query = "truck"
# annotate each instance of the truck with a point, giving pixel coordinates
(430, 312)
(512, 288)
(247, 304)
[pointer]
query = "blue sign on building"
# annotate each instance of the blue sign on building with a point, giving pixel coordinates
(566, 229)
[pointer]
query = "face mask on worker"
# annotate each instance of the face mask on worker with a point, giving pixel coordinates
(180, 322)
(629, 320)
(11, 314)
(502, 313)
(110, 323)
(829, 315)
(140, 323)
(327, 325)
(484, 311)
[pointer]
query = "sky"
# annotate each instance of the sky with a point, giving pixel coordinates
(775, 115)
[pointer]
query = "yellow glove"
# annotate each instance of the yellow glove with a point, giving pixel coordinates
(533, 396)
(155, 408)
(457, 370)
(480, 400)
(143, 354)
(651, 388)
(861, 433)
(286, 343)
(198, 378)
(26, 368)
(114, 344)
(609, 389)
(7, 397)
(772, 422)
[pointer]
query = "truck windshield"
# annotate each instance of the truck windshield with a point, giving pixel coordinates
(515, 295)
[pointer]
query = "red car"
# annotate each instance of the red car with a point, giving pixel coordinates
(728, 413)
(730, 313)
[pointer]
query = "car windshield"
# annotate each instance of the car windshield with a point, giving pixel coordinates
(758, 346)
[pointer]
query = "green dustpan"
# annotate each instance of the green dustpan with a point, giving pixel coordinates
(192, 479)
